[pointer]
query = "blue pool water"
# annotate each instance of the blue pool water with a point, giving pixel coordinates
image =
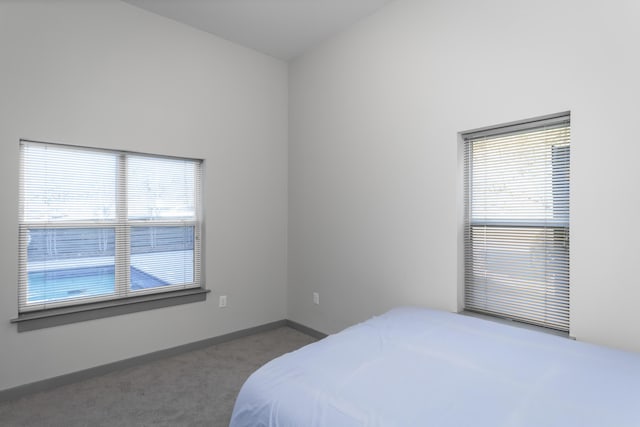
(58, 285)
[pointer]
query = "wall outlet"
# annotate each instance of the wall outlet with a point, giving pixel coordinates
(316, 298)
(222, 301)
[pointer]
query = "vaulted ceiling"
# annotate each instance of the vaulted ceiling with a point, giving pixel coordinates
(280, 28)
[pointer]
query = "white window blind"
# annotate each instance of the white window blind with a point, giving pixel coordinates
(516, 181)
(98, 224)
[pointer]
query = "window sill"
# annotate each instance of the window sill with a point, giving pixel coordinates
(79, 313)
(515, 323)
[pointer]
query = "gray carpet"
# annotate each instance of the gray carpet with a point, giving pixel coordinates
(192, 389)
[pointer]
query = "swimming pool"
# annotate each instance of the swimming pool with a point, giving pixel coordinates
(64, 284)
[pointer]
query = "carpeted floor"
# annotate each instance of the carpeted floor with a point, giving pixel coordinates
(192, 389)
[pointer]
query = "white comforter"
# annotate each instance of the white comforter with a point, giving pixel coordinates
(418, 367)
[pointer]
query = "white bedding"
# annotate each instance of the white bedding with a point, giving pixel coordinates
(418, 367)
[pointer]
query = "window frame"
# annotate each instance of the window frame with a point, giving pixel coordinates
(547, 226)
(123, 299)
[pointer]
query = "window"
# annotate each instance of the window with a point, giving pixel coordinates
(99, 225)
(516, 181)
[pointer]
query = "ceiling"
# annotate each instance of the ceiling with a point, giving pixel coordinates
(280, 28)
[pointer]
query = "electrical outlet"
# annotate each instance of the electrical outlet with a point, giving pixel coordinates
(222, 301)
(316, 298)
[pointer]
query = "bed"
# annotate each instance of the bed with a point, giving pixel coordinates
(419, 367)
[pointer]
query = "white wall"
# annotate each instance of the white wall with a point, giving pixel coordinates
(373, 156)
(106, 74)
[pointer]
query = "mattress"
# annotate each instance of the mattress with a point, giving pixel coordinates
(419, 367)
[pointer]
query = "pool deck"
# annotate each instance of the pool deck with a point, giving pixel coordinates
(158, 264)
